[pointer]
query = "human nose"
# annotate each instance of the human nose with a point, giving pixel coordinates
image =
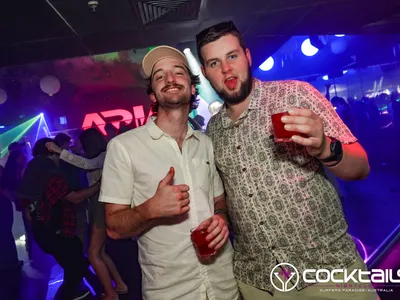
(226, 67)
(170, 78)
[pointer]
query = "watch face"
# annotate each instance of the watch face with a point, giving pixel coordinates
(336, 148)
(336, 151)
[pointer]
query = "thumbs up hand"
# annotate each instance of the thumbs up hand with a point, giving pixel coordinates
(169, 200)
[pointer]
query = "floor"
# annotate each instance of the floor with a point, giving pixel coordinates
(372, 206)
(41, 281)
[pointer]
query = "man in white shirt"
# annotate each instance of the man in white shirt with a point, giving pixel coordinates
(159, 181)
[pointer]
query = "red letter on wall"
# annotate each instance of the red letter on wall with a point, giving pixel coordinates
(138, 112)
(124, 114)
(140, 118)
(96, 119)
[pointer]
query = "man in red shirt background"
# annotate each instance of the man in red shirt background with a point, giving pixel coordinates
(50, 205)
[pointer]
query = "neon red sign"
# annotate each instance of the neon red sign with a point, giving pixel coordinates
(100, 119)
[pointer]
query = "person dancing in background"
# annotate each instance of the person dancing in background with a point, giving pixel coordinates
(45, 192)
(9, 183)
(94, 145)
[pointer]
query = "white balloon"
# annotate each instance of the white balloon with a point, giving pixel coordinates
(3, 96)
(50, 85)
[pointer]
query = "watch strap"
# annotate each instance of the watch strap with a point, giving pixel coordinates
(336, 152)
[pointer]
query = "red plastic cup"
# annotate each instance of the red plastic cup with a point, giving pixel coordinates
(198, 237)
(281, 135)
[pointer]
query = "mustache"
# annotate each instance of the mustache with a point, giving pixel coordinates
(169, 86)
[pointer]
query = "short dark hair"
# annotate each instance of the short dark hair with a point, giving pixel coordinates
(40, 147)
(109, 126)
(194, 102)
(93, 142)
(215, 32)
(15, 146)
(62, 138)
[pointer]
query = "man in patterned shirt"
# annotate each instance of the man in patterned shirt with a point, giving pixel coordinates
(282, 207)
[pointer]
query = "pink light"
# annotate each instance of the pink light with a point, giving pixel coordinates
(364, 249)
(99, 119)
(125, 115)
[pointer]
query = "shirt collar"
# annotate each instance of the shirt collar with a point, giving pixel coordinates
(191, 132)
(253, 105)
(156, 133)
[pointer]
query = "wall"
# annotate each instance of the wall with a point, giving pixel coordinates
(90, 106)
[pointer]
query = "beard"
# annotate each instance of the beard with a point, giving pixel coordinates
(173, 102)
(244, 91)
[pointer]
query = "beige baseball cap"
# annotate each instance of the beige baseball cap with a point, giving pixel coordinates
(159, 53)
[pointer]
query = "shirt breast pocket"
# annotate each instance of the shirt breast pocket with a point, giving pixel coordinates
(202, 171)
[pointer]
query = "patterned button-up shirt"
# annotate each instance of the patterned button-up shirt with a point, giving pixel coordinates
(282, 207)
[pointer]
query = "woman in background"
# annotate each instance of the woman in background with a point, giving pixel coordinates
(94, 146)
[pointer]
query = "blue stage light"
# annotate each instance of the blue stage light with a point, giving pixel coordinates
(308, 49)
(267, 65)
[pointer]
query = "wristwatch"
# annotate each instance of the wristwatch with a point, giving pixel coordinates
(336, 152)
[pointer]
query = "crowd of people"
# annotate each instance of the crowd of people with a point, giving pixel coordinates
(365, 117)
(372, 119)
(158, 182)
(55, 192)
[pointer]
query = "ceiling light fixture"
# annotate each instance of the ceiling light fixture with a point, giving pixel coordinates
(93, 5)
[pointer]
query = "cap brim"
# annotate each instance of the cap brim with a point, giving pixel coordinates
(159, 53)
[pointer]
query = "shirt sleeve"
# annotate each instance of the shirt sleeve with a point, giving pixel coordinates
(117, 183)
(218, 187)
(56, 189)
(82, 162)
(310, 98)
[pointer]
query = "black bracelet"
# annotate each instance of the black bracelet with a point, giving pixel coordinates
(335, 164)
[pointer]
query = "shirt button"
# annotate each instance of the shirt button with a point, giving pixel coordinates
(244, 170)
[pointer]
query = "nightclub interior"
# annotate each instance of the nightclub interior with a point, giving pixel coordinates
(67, 66)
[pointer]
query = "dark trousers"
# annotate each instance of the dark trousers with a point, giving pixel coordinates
(8, 249)
(68, 252)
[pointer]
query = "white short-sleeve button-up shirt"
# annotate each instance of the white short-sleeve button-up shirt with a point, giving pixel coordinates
(136, 162)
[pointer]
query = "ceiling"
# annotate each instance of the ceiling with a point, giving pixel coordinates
(337, 54)
(100, 51)
(42, 30)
